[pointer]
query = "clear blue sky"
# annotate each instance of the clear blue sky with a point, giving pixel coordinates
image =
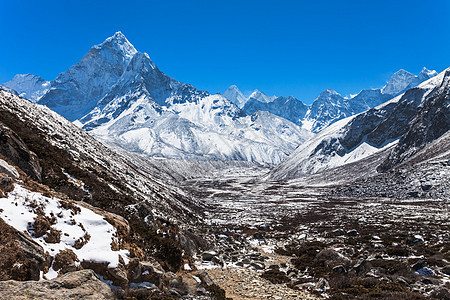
(280, 47)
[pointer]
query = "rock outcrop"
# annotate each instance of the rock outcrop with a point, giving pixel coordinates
(75, 285)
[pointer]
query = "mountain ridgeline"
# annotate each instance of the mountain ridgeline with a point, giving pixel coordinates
(329, 106)
(121, 97)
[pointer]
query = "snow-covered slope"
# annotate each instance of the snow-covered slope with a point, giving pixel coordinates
(31, 87)
(327, 108)
(81, 230)
(210, 128)
(359, 136)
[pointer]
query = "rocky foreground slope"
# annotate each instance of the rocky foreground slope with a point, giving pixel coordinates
(69, 203)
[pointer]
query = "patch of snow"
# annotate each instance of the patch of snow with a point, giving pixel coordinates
(17, 211)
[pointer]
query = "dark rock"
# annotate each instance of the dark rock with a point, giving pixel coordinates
(338, 232)
(257, 266)
(426, 187)
(446, 270)
(21, 258)
(322, 285)
(246, 261)
(208, 256)
(419, 265)
(339, 269)
(15, 149)
(75, 285)
(352, 232)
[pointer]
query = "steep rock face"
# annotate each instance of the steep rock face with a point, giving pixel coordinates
(76, 91)
(15, 149)
(28, 86)
(360, 136)
(21, 258)
(76, 285)
(431, 122)
(141, 87)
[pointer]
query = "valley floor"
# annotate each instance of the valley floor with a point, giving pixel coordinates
(329, 246)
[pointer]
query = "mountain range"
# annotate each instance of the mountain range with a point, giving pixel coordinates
(329, 106)
(422, 111)
(121, 97)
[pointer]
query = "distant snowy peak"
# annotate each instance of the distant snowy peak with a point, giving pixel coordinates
(426, 74)
(31, 87)
(403, 80)
(235, 95)
(398, 82)
(261, 97)
(289, 108)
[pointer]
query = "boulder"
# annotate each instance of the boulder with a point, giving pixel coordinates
(352, 232)
(322, 285)
(9, 170)
(21, 258)
(339, 269)
(80, 285)
(446, 270)
(65, 261)
(208, 256)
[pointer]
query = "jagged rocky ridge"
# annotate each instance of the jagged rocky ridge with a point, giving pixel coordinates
(367, 133)
(329, 106)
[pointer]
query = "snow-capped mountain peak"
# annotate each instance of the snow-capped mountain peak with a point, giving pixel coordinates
(426, 74)
(119, 43)
(235, 95)
(29, 86)
(76, 91)
(398, 82)
(261, 97)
